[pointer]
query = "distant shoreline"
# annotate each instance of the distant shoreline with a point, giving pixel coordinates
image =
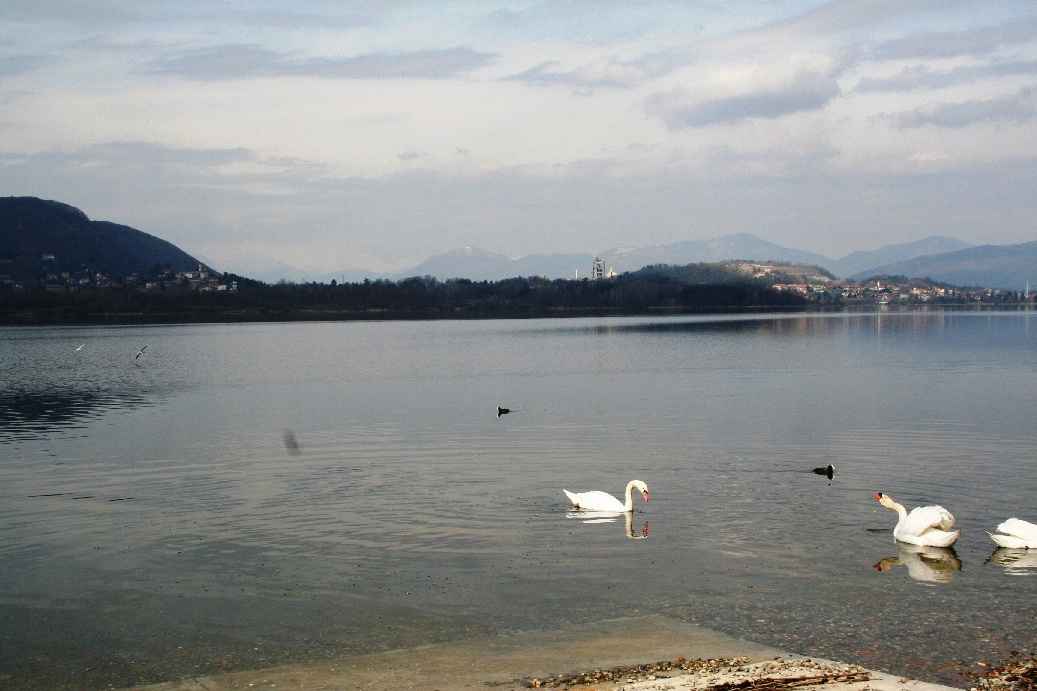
(316, 315)
(30, 318)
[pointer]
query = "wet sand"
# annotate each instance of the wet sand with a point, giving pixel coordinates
(514, 661)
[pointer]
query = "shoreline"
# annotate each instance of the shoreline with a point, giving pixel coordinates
(630, 648)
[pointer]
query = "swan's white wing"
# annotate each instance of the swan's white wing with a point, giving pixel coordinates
(1024, 530)
(1010, 541)
(926, 518)
(595, 501)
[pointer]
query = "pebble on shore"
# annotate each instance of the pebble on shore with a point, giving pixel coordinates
(1017, 673)
(723, 673)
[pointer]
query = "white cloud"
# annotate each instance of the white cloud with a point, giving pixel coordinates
(250, 61)
(805, 91)
(923, 77)
(1020, 107)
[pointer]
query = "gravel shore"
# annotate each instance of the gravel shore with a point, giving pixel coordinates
(614, 651)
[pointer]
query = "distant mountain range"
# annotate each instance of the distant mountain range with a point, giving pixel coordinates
(39, 236)
(941, 259)
(481, 265)
(986, 266)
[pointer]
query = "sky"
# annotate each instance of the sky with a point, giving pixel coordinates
(327, 135)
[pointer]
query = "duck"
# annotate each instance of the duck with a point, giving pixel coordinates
(602, 501)
(1015, 534)
(928, 526)
(828, 471)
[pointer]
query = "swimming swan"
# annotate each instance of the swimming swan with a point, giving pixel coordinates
(1016, 534)
(601, 501)
(929, 526)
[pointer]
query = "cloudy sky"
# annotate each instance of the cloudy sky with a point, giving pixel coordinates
(331, 134)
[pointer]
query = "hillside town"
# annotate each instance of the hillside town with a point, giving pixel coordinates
(202, 280)
(820, 287)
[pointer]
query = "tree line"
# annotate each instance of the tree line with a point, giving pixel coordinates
(650, 290)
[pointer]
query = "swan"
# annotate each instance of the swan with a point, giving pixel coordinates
(928, 526)
(1016, 534)
(601, 501)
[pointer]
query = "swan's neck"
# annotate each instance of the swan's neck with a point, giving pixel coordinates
(629, 505)
(899, 508)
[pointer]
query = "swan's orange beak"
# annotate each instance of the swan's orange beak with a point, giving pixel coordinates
(879, 496)
(645, 493)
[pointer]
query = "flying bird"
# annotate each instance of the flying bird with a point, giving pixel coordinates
(139, 352)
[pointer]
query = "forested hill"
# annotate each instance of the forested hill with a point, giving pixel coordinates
(40, 237)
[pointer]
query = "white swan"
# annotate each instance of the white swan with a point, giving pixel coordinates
(1016, 534)
(601, 501)
(929, 526)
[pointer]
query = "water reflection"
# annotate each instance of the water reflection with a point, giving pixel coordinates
(611, 517)
(51, 383)
(26, 413)
(925, 564)
(1015, 561)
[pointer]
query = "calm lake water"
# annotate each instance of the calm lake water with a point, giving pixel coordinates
(245, 495)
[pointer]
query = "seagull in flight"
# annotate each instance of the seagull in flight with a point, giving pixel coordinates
(139, 352)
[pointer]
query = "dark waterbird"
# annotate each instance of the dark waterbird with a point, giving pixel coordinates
(502, 411)
(828, 471)
(139, 352)
(291, 443)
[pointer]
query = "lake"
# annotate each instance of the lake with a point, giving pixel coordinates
(246, 495)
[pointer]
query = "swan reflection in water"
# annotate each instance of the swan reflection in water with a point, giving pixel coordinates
(925, 564)
(610, 517)
(1015, 561)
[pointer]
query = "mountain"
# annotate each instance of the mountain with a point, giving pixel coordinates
(865, 261)
(480, 265)
(726, 247)
(40, 237)
(989, 266)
